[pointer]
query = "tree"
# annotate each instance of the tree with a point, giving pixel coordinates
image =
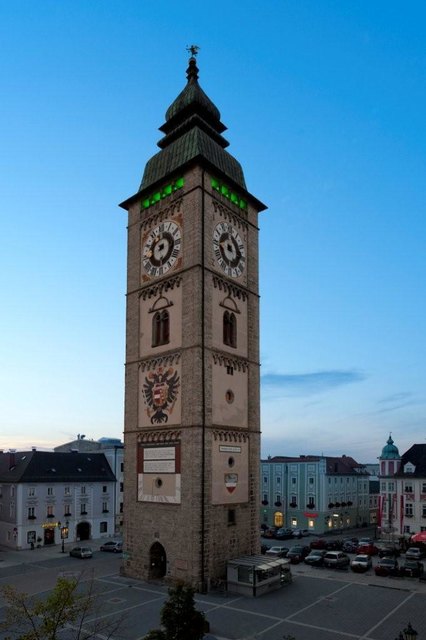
(68, 605)
(179, 618)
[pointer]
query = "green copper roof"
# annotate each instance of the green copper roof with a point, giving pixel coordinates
(191, 145)
(192, 130)
(389, 451)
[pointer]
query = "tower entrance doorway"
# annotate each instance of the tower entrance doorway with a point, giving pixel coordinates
(83, 531)
(157, 561)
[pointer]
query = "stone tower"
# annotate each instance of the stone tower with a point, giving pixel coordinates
(192, 427)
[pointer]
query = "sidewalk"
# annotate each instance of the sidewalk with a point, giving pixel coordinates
(11, 558)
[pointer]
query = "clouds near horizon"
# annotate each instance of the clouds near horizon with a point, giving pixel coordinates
(308, 384)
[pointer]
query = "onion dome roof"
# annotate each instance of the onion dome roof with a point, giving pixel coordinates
(390, 451)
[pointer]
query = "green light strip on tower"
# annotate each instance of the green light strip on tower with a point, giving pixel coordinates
(160, 195)
(228, 193)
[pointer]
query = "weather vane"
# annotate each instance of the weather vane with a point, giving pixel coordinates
(193, 50)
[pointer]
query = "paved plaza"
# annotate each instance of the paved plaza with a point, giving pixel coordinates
(319, 604)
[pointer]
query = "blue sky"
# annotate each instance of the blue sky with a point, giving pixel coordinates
(324, 103)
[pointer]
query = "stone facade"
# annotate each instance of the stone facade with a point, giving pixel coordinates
(191, 468)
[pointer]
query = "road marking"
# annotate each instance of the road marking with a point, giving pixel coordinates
(391, 613)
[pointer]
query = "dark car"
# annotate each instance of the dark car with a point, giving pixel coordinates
(388, 551)
(269, 532)
(315, 558)
(113, 546)
(387, 567)
(412, 569)
(334, 545)
(298, 553)
(283, 534)
(81, 552)
(318, 543)
(349, 546)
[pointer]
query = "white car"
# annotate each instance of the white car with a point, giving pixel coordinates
(298, 533)
(361, 562)
(277, 552)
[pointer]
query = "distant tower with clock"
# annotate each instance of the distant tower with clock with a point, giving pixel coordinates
(192, 423)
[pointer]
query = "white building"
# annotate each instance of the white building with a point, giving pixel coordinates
(47, 495)
(113, 449)
(402, 490)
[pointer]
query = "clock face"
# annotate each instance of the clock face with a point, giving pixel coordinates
(229, 249)
(161, 248)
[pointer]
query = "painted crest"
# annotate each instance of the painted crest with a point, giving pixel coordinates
(231, 481)
(160, 391)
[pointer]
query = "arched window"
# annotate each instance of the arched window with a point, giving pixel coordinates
(230, 329)
(160, 328)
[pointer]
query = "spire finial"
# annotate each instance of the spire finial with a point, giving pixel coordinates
(193, 49)
(192, 70)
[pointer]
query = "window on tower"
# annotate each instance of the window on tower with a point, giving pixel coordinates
(230, 329)
(160, 328)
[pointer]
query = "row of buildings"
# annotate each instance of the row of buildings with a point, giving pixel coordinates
(76, 493)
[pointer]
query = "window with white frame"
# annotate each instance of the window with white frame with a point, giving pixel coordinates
(406, 528)
(408, 487)
(31, 492)
(293, 480)
(83, 509)
(50, 513)
(31, 513)
(103, 527)
(105, 507)
(83, 489)
(12, 509)
(67, 491)
(409, 509)
(12, 491)
(50, 491)
(104, 488)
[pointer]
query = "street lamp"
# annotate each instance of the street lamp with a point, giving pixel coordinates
(64, 534)
(409, 633)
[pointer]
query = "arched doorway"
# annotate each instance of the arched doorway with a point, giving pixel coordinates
(83, 531)
(49, 536)
(157, 561)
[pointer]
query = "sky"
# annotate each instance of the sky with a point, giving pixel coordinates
(325, 104)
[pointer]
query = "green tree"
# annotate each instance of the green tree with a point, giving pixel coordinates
(68, 605)
(179, 618)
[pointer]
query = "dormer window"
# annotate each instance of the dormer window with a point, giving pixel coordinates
(409, 468)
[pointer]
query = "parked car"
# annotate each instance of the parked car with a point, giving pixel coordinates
(361, 563)
(388, 551)
(269, 532)
(113, 546)
(81, 552)
(368, 549)
(387, 567)
(334, 545)
(277, 552)
(412, 568)
(299, 533)
(365, 541)
(283, 534)
(318, 543)
(298, 553)
(336, 560)
(349, 546)
(316, 557)
(414, 553)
